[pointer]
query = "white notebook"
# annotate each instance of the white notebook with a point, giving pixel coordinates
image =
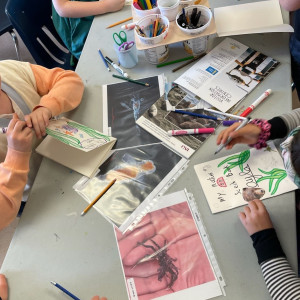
(76, 146)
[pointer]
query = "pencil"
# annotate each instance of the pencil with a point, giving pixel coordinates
(131, 80)
(64, 290)
(98, 197)
(189, 62)
(174, 61)
(105, 62)
(120, 22)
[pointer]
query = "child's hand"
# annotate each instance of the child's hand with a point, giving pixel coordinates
(19, 136)
(98, 298)
(255, 217)
(39, 120)
(113, 5)
(3, 288)
(247, 135)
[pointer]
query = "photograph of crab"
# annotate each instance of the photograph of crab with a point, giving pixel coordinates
(165, 255)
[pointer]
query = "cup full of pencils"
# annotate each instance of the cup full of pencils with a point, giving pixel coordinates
(194, 19)
(152, 29)
(143, 8)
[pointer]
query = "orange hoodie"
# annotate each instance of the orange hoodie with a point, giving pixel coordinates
(57, 89)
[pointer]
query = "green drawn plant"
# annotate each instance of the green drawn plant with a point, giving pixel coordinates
(275, 174)
(236, 160)
(67, 139)
(91, 132)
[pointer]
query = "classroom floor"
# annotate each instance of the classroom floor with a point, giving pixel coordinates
(7, 51)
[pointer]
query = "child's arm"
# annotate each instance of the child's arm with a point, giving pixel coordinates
(14, 169)
(280, 278)
(80, 9)
(290, 5)
(61, 91)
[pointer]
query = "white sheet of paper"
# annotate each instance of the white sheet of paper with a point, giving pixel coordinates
(223, 187)
(256, 17)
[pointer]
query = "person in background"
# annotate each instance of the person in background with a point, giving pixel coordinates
(4, 290)
(73, 19)
(282, 282)
(294, 6)
(33, 94)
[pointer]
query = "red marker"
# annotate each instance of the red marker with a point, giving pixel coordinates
(263, 97)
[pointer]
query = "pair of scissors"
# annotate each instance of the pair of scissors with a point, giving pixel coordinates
(126, 45)
(120, 37)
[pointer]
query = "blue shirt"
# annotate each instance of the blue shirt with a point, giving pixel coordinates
(73, 31)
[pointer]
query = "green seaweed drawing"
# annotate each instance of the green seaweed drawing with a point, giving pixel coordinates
(240, 159)
(67, 139)
(91, 132)
(275, 174)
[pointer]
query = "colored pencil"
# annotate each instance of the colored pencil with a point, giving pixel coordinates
(189, 62)
(98, 197)
(105, 62)
(120, 22)
(174, 61)
(131, 80)
(64, 290)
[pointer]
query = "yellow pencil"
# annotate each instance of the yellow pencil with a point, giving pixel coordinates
(98, 197)
(120, 22)
(149, 4)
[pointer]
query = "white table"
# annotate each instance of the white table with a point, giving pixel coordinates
(53, 242)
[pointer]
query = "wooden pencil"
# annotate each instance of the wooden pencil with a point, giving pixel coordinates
(189, 62)
(98, 197)
(120, 22)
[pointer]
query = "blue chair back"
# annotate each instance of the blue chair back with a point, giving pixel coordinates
(32, 20)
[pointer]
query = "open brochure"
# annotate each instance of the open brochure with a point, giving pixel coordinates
(227, 74)
(76, 146)
(168, 255)
(234, 180)
(143, 167)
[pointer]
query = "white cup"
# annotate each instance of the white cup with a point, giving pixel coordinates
(168, 8)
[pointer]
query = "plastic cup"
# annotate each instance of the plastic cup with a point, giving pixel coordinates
(185, 3)
(168, 8)
(157, 55)
(145, 23)
(127, 58)
(196, 46)
(205, 18)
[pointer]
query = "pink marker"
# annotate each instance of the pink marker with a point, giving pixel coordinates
(191, 131)
(263, 97)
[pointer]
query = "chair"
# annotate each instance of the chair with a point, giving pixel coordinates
(6, 26)
(32, 20)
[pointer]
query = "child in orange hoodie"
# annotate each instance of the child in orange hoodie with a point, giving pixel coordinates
(33, 94)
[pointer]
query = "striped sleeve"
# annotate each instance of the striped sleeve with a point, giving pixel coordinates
(291, 119)
(281, 280)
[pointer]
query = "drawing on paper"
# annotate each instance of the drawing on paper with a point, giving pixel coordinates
(251, 174)
(275, 174)
(76, 135)
(236, 160)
